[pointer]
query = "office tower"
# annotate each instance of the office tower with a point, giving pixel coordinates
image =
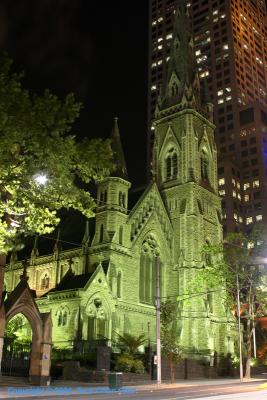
(230, 46)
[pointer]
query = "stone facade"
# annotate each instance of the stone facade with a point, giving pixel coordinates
(108, 284)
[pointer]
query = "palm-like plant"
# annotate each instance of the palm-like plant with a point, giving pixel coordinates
(130, 343)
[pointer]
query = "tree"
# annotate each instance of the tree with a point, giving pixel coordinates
(233, 269)
(130, 343)
(169, 344)
(42, 167)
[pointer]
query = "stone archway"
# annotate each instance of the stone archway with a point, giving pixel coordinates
(21, 300)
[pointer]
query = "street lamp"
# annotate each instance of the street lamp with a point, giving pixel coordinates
(41, 179)
(239, 328)
(158, 341)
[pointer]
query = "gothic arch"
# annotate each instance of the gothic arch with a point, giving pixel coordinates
(170, 163)
(148, 269)
(21, 301)
(204, 164)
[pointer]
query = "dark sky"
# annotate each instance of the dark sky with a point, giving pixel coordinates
(96, 49)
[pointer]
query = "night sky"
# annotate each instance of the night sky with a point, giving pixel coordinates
(98, 51)
(95, 49)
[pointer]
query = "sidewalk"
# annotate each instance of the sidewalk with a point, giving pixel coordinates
(11, 387)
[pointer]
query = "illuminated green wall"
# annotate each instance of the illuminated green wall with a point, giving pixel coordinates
(173, 218)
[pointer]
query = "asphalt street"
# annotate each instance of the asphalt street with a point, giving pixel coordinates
(247, 390)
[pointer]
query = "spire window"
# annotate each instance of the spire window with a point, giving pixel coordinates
(120, 234)
(171, 165)
(101, 235)
(174, 89)
(204, 166)
(119, 285)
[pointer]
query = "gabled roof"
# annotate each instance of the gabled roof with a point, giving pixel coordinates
(71, 281)
(17, 292)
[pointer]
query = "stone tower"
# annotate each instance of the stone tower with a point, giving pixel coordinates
(112, 197)
(185, 170)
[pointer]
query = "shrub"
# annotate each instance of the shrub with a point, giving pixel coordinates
(138, 367)
(124, 363)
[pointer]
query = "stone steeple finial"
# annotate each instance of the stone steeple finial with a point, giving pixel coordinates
(57, 245)
(24, 276)
(86, 236)
(119, 159)
(34, 252)
(182, 82)
(85, 247)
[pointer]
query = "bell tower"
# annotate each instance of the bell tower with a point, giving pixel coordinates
(185, 169)
(112, 198)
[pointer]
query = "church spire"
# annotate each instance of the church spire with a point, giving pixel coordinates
(120, 165)
(34, 252)
(182, 85)
(86, 236)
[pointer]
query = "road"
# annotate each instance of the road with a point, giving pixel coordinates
(248, 390)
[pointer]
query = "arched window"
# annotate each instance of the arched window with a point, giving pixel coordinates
(174, 89)
(101, 234)
(121, 199)
(64, 318)
(45, 282)
(168, 168)
(174, 165)
(171, 165)
(119, 285)
(120, 235)
(105, 197)
(59, 319)
(101, 200)
(204, 166)
(148, 273)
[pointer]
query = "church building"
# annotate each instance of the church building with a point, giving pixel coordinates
(107, 285)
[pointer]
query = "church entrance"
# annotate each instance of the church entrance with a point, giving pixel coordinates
(17, 347)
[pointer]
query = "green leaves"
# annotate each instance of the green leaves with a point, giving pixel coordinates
(130, 343)
(35, 138)
(169, 343)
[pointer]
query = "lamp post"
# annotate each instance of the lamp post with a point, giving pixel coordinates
(239, 329)
(158, 342)
(149, 348)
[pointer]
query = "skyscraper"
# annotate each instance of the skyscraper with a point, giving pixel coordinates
(230, 45)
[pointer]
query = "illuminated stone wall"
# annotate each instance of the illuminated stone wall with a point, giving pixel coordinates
(174, 218)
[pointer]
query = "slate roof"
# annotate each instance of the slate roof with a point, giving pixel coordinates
(71, 281)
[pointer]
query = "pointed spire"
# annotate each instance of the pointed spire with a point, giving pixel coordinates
(120, 165)
(13, 258)
(34, 252)
(86, 236)
(182, 82)
(57, 246)
(24, 277)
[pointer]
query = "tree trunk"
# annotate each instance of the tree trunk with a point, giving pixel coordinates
(249, 335)
(172, 371)
(248, 362)
(2, 272)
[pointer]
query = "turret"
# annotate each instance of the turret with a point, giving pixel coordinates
(112, 195)
(85, 247)
(34, 252)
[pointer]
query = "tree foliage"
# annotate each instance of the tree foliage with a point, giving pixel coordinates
(129, 343)
(36, 140)
(233, 271)
(169, 344)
